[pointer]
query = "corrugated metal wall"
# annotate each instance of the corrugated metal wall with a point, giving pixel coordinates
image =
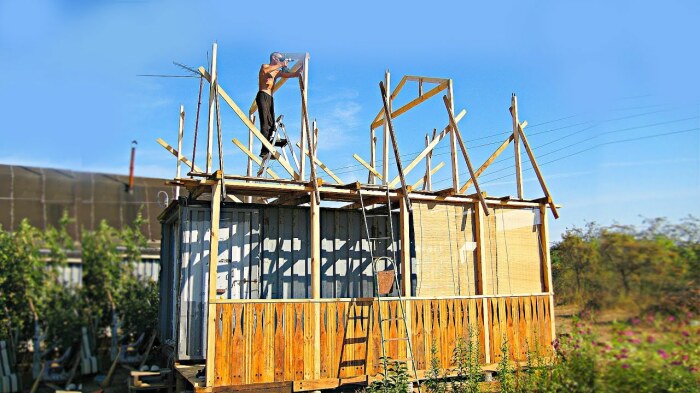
(71, 275)
(264, 253)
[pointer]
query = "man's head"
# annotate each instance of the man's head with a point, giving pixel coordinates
(276, 58)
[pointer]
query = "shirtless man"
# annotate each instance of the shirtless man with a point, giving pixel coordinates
(266, 106)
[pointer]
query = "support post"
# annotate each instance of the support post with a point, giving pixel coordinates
(405, 239)
(428, 183)
(547, 267)
(315, 235)
(212, 109)
(249, 168)
(395, 145)
(516, 145)
(372, 154)
(213, 262)
(481, 277)
(453, 143)
(387, 117)
(304, 124)
(180, 133)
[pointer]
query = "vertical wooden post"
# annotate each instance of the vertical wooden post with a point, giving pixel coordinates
(453, 143)
(213, 262)
(385, 151)
(427, 183)
(405, 239)
(481, 276)
(372, 154)
(180, 134)
(516, 144)
(304, 130)
(249, 168)
(547, 284)
(212, 109)
(315, 236)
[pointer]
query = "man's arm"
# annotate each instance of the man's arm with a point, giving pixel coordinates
(269, 68)
(294, 74)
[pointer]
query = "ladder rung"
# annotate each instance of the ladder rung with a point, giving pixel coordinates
(379, 238)
(396, 339)
(376, 215)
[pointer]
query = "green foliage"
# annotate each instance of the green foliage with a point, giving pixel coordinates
(466, 360)
(506, 370)
(624, 266)
(435, 381)
(395, 380)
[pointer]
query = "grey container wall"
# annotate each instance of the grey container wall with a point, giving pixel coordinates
(263, 253)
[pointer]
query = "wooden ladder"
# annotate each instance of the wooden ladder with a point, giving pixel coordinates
(384, 290)
(275, 135)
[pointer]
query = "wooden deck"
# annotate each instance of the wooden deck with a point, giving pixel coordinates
(259, 342)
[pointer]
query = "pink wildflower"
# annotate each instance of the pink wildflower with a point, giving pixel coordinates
(628, 333)
(662, 353)
(635, 340)
(671, 318)
(676, 363)
(625, 365)
(651, 339)
(685, 333)
(650, 318)
(635, 321)
(685, 358)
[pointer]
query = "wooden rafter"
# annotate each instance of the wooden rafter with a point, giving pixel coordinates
(455, 130)
(253, 157)
(432, 172)
(369, 167)
(323, 166)
(533, 161)
(311, 145)
(387, 115)
(413, 103)
(428, 149)
(177, 154)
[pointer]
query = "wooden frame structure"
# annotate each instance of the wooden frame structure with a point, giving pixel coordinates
(313, 343)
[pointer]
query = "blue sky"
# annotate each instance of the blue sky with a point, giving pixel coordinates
(611, 90)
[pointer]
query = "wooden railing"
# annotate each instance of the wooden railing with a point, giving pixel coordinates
(261, 341)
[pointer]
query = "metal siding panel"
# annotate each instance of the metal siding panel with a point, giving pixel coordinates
(327, 258)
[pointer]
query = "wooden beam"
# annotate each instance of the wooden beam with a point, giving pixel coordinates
(479, 214)
(426, 177)
(369, 167)
(417, 78)
(413, 103)
(490, 160)
(324, 167)
(176, 153)
(397, 155)
(455, 131)
(380, 113)
(516, 144)
(253, 157)
(427, 150)
(304, 121)
(533, 161)
(385, 148)
(547, 265)
(432, 172)
(212, 109)
(180, 133)
(315, 247)
(251, 126)
(404, 238)
(293, 199)
(372, 155)
(213, 262)
(305, 118)
(453, 145)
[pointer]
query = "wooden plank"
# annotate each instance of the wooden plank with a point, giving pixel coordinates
(280, 345)
(516, 144)
(453, 144)
(213, 262)
(385, 147)
(372, 155)
(455, 131)
(397, 156)
(180, 133)
(428, 79)
(368, 166)
(428, 149)
(533, 161)
(426, 177)
(305, 131)
(380, 113)
(251, 126)
(268, 329)
(176, 153)
(305, 118)
(324, 167)
(413, 103)
(544, 238)
(486, 163)
(237, 344)
(432, 172)
(254, 157)
(212, 111)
